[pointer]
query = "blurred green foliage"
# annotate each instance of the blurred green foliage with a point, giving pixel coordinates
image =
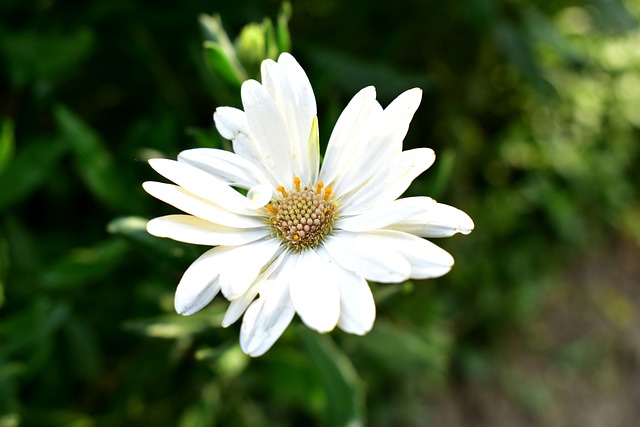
(532, 107)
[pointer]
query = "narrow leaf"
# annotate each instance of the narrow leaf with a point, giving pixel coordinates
(93, 162)
(84, 265)
(32, 166)
(7, 143)
(282, 29)
(344, 389)
(222, 66)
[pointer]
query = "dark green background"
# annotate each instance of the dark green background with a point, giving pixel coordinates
(533, 109)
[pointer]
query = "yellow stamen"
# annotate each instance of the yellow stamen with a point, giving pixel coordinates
(282, 191)
(296, 237)
(327, 192)
(271, 209)
(319, 187)
(296, 181)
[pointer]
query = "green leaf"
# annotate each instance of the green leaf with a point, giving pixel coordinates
(401, 350)
(282, 29)
(229, 360)
(221, 53)
(85, 358)
(614, 16)
(351, 72)
(443, 172)
(134, 229)
(174, 326)
(7, 143)
(205, 137)
(84, 265)
(93, 161)
(386, 292)
(31, 327)
(343, 386)
(222, 66)
(46, 57)
(271, 49)
(32, 166)
(4, 267)
(10, 420)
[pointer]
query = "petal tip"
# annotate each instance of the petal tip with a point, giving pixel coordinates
(466, 225)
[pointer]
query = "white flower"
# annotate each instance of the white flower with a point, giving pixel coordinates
(304, 239)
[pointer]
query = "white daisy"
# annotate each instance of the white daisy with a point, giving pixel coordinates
(302, 238)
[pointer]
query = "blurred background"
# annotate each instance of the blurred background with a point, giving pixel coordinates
(533, 109)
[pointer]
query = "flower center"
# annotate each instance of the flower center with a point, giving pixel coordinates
(304, 217)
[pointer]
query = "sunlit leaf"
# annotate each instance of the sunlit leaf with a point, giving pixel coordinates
(7, 143)
(228, 360)
(134, 229)
(10, 420)
(174, 326)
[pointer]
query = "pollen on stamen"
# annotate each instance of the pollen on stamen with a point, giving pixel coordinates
(302, 218)
(327, 192)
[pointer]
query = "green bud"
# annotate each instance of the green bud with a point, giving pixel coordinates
(251, 46)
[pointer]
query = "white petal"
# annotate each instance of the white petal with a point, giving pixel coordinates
(386, 214)
(240, 304)
(267, 317)
(357, 307)
(389, 182)
(384, 143)
(259, 195)
(227, 166)
(243, 264)
(190, 229)
(196, 206)
(314, 292)
(367, 255)
(267, 126)
(427, 260)
(199, 284)
(232, 124)
(203, 185)
(439, 221)
(288, 85)
(355, 124)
